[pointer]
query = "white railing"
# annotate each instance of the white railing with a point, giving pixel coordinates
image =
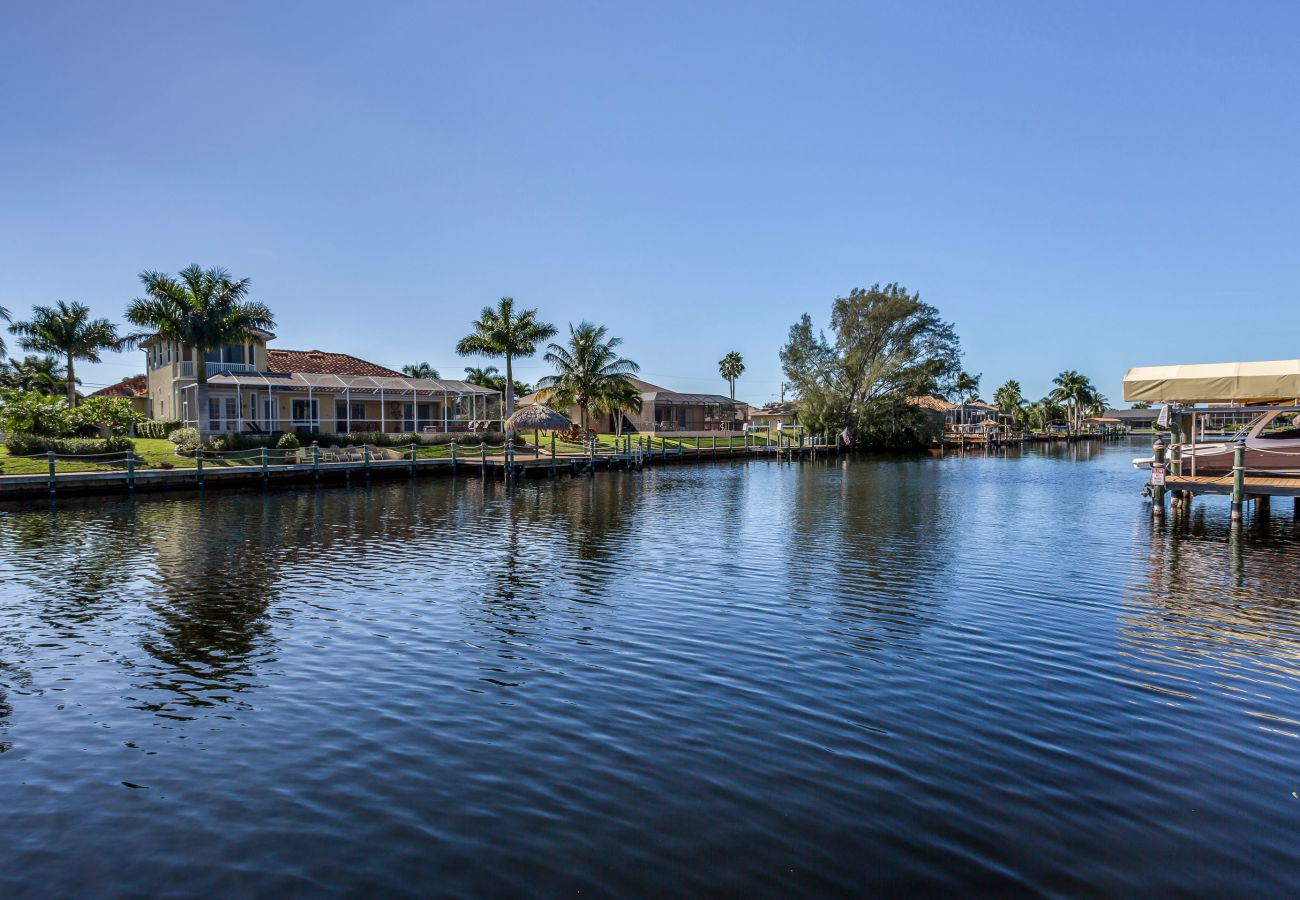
(215, 368)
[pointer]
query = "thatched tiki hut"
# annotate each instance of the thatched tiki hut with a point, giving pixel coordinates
(536, 417)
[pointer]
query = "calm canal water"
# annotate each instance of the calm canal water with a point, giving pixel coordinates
(930, 674)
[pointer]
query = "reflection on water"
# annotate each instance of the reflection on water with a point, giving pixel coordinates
(926, 675)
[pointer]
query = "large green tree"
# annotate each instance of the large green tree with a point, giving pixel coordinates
(731, 367)
(202, 310)
(889, 346)
(40, 374)
(68, 330)
(589, 373)
(503, 333)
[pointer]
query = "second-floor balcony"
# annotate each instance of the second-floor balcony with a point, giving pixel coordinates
(215, 368)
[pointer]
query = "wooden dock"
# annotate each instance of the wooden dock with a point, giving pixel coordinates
(521, 463)
(1254, 485)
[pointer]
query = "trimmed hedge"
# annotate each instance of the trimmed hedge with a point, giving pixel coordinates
(156, 429)
(34, 444)
(379, 439)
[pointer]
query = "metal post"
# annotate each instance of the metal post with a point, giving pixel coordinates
(198, 465)
(1238, 479)
(130, 470)
(412, 458)
(49, 458)
(453, 456)
(266, 472)
(1158, 490)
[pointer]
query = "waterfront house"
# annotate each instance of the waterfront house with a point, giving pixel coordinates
(662, 411)
(259, 390)
(134, 389)
(770, 417)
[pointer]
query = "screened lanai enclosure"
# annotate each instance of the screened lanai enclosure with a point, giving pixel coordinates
(267, 402)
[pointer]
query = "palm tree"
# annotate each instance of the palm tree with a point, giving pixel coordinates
(965, 384)
(67, 329)
(40, 374)
(1042, 413)
(589, 372)
(202, 310)
(420, 370)
(731, 367)
(1071, 389)
(623, 396)
(501, 332)
(4, 316)
(1010, 400)
(488, 376)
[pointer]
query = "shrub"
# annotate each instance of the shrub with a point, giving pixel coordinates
(33, 444)
(156, 430)
(185, 439)
(113, 413)
(27, 412)
(288, 441)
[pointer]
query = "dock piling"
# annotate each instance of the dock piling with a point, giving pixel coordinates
(1238, 479)
(49, 457)
(130, 470)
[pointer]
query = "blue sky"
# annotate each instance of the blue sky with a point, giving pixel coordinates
(1089, 186)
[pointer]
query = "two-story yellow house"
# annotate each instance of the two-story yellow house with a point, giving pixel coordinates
(258, 390)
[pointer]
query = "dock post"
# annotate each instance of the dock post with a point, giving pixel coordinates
(552, 454)
(130, 470)
(412, 459)
(315, 459)
(1238, 479)
(49, 458)
(482, 457)
(453, 457)
(1158, 490)
(365, 459)
(266, 473)
(198, 465)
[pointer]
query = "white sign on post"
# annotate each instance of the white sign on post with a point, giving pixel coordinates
(1158, 476)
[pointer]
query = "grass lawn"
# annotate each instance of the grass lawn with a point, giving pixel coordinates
(150, 453)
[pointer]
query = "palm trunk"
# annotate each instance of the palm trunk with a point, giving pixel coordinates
(510, 390)
(201, 393)
(733, 389)
(72, 385)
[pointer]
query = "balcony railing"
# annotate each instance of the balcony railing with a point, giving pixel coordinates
(215, 368)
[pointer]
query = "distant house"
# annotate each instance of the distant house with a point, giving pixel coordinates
(773, 415)
(135, 389)
(252, 388)
(662, 410)
(1134, 419)
(972, 412)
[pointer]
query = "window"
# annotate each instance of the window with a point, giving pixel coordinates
(341, 413)
(228, 355)
(214, 414)
(306, 412)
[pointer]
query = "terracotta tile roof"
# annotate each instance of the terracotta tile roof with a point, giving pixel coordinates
(135, 386)
(320, 363)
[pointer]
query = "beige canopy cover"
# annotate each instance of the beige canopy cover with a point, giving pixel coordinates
(1215, 382)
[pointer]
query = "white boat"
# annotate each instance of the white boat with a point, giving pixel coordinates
(1274, 452)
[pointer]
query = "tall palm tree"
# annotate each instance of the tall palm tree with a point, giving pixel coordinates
(589, 372)
(1010, 400)
(731, 367)
(1071, 389)
(40, 374)
(965, 385)
(420, 370)
(68, 330)
(202, 310)
(4, 317)
(502, 332)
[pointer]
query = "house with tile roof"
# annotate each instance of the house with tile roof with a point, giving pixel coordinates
(254, 389)
(662, 411)
(135, 389)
